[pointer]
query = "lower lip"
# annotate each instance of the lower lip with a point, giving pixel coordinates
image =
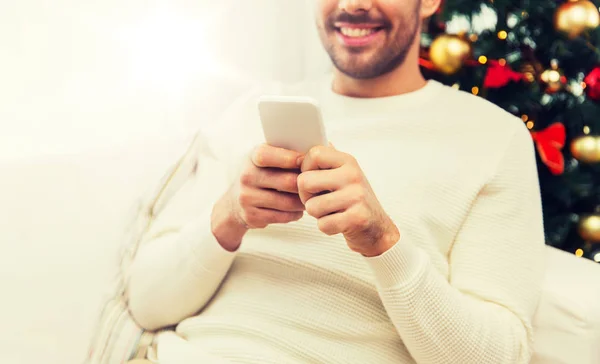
(358, 41)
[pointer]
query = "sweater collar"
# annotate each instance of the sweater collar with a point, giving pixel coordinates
(335, 105)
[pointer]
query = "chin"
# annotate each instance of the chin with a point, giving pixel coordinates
(359, 74)
(354, 66)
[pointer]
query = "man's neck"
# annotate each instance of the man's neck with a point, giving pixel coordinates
(406, 78)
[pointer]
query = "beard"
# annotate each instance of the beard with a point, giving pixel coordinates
(361, 63)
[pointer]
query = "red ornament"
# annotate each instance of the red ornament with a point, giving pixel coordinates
(550, 143)
(592, 82)
(425, 63)
(498, 75)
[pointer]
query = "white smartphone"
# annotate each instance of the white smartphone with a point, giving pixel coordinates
(292, 122)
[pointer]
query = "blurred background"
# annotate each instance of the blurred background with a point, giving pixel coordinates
(99, 98)
(538, 60)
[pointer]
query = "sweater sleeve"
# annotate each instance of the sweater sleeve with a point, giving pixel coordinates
(175, 275)
(483, 312)
(181, 265)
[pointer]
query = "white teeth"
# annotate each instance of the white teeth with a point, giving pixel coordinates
(356, 32)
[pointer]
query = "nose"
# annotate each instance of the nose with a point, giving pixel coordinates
(355, 6)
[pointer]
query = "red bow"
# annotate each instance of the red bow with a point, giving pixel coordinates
(500, 75)
(550, 143)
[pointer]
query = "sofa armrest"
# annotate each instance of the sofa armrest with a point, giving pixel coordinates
(567, 322)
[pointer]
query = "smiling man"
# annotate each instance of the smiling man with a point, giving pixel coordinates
(372, 42)
(418, 238)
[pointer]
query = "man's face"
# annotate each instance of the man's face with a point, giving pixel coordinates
(368, 38)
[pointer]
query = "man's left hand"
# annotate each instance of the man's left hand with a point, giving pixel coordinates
(335, 191)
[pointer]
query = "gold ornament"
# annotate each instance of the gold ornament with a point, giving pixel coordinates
(449, 52)
(574, 17)
(529, 72)
(589, 228)
(586, 148)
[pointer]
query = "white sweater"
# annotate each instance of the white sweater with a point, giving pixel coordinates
(458, 177)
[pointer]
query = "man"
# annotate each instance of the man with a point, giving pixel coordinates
(417, 238)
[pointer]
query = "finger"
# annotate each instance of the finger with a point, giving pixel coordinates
(259, 218)
(323, 158)
(267, 156)
(276, 179)
(304, 196)
(329, 203)
(269, 199)
(272, 178)
(281, 217)
(331, 224)
(322, 180)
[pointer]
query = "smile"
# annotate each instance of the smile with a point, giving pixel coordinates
(358, 35)
(357, 32)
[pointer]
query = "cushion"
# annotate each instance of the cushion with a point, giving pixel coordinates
(117, 336)
(567, 322)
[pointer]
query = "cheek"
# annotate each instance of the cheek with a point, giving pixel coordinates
(402, 15)
(394, 8)
(323, 9)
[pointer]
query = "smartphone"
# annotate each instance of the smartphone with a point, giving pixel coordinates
(292, 122)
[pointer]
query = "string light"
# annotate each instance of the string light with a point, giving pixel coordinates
(579, 252)
(524, 117)
(550, 76)
(502, 62)
(475, 90)
(530, 124)
(482, 59)
(473, 37)
(586, 130)
(456, 86)
(575, 88)
(597, 257)
(502, 34)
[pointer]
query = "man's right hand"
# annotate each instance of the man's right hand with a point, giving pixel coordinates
(266, 193)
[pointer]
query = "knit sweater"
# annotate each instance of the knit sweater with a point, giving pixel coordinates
(455, 173)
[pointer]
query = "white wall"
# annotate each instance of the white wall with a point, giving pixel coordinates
(78, 75)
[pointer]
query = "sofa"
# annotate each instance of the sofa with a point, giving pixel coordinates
(61, 219)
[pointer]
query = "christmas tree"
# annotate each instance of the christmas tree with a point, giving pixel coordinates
(538, 60)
